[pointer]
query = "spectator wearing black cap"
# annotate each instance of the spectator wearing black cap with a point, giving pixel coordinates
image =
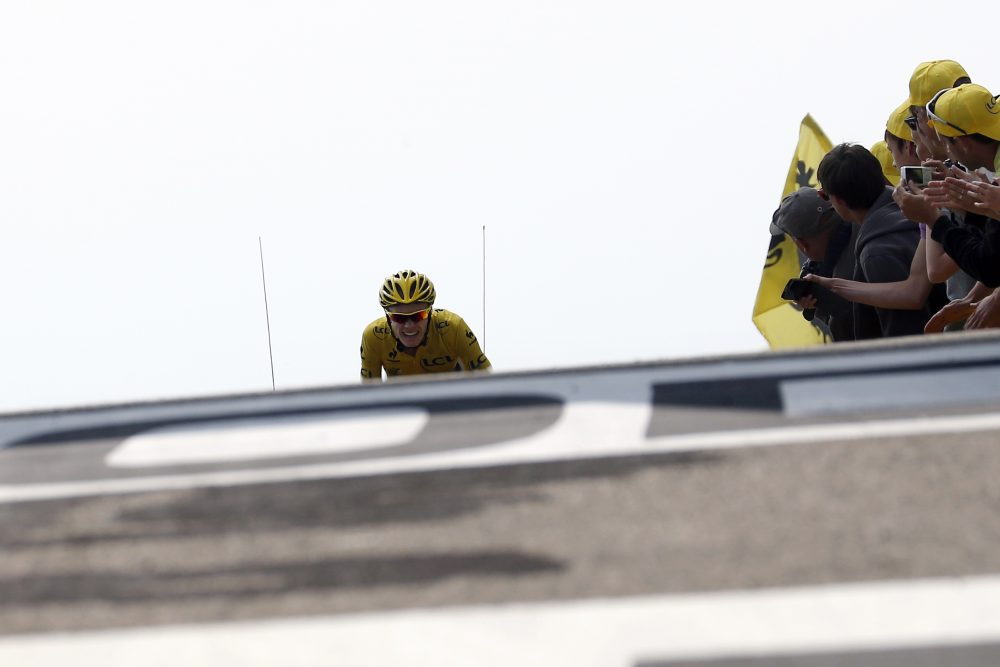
(828, 243)
(851, 177)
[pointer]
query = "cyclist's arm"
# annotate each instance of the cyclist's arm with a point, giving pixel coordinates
(470, 352)
(371, 366)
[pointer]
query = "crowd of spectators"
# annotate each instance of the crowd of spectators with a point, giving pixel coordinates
(904, 238)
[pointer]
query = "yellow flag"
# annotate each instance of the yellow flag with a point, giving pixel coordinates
(776, 319)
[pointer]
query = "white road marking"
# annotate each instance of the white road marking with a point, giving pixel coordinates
(590, 430)
(274, 437)
(615, 632)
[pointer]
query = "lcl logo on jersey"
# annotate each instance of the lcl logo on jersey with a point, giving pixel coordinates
(437, 361)
(478, 362)
(442, 324)
(471, 336)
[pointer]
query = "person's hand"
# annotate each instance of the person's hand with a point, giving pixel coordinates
(952, 193)
(807, 302)
(941, 170)
(985, 198)
(957, 310)
(971, 176)
(916, 207)
(986, 315)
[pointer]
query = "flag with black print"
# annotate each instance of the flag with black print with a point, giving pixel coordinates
(780, 322)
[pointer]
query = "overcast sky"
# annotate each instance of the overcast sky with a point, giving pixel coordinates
(624, 157)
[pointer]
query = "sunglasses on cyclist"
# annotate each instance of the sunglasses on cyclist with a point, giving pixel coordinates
(400, 318)
(933, 116)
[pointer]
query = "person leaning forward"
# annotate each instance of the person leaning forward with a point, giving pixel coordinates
(851, 177)
(828, 243)
(414, 337)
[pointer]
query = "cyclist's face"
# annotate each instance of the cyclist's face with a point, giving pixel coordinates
(412, 330)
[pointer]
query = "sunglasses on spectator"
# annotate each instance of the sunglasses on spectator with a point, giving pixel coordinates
(911, 122)
(400, 318)
(933, 116)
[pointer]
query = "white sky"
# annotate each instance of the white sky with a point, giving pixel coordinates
(625, 158)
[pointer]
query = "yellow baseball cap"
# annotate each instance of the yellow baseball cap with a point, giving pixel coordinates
(889, 170)
(897, 122)
(968, 109)
(931, 77)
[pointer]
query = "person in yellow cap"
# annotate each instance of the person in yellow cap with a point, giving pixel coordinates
(967, 118)
(880, 149)
(414, 337)
(899, 141)
(928, 79)
(938, 266)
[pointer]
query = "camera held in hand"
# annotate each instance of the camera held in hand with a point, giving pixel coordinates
(796, 288)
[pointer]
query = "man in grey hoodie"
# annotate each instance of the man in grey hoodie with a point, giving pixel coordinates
(851, 178)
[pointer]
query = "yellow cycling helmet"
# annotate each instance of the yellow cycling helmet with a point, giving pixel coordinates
(406, 287)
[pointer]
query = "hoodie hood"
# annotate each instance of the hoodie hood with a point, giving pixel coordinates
(884, 218)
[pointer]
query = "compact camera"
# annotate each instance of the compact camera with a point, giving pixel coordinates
(917, 175)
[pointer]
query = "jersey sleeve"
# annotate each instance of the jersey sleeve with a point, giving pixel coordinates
(469, 351)
(371, 364)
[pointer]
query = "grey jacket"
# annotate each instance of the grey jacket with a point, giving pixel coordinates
(884, 251)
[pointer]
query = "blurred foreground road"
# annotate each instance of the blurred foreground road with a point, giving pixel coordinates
(831, 507)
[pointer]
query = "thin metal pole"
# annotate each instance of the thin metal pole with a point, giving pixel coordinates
(267, 315)
(484, 289)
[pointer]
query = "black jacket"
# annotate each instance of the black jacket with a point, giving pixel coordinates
(977, 252)
(834, 312)
(884, 251)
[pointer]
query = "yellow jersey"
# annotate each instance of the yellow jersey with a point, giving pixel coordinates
(449, 345)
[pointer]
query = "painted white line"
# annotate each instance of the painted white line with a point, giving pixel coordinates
(617, 632)
(255, 439)
(585, 431)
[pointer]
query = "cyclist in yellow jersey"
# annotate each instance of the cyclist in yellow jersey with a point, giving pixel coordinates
(414, 337)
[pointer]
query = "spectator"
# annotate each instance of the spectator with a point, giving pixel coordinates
(928, 79)
(851, 177)
(909, 294)
(964, 118)
(828, 243)
(899, 138)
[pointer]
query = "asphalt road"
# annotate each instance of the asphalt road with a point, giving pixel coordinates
(655, 513)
